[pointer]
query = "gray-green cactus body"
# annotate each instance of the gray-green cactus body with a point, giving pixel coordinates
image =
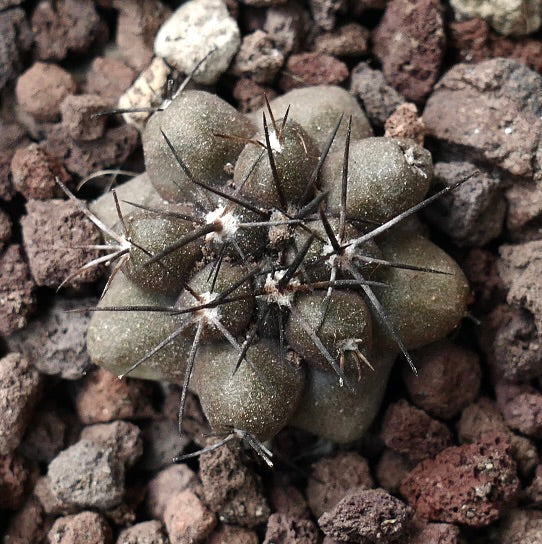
(386, 176)
(259, 398)
(118, 339)
(197, 124)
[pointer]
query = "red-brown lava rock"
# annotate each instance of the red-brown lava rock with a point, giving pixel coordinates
(470, 484)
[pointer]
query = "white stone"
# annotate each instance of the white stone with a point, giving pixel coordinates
(508, 17)
(195, 29)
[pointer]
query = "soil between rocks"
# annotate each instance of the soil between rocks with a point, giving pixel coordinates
(453, 455)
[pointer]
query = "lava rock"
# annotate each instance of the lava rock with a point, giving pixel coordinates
(137, 25)
(122, 437)
(379, 100)
(391, 470)
(41, 90)
(304, 69)
(404, 122)
(470, 484)
(19, 392)
(231, 489)
(162, 443)
(521, 406)
(88, 476)
(287, 25)
(64, 27)
(15, 40)
(448, 379)
(410, 42)
(109, 78)
(55, 342)
(147, 532)
(231, 534)
(50, 230)
(290, 530)
(27, 525)
(103, 397)
(33, 172)
(324, 12)
(412, 433)
(14, 475)
(491, 112)
(79, 119)
(16, 291)
(363, 518)
(187, 519)
(350, 40)
(473, 214)
(520, 526)
(195, 29)
(332, 478)
(83, 528)
(250, 95)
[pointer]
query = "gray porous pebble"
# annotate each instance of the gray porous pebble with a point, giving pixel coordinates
(88, 475)
(473, 214)
(55, 342)
(19, 391)
(195, 29)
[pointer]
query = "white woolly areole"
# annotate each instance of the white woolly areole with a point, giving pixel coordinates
(210, 315)
(228, 221)
(274, 295)
(411, 159)
(349, 344)
(276, 146)
(343, 260)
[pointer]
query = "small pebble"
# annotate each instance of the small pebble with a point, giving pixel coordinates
(379, 99)
(52, 230)
(103, 397)
(137, 25)
(231, 534)
(195, 29)
(109, 78)
(433, 533)
(5, 229)
(87, 475)
(364, 517)
(33, 173)
(16, 291)
(83, 528)
(350, 40)
(287, 24)
(15, 41)
(55, 342)
(258, 59)
(66, 27)
(14, 474)
(41, 90)
(162, 443)
(520, 526)
(173, 479)
(521, 406)
(312, 69)
(471, 484)
(148, 532)
(79, 119)
(335, 477)
(122, 437)
(285, 498)
(404, 122)
(27, 524)
(187, 519)
(231, 489)
(250, 95)
(49, 501)
(324, 12)
(289, 529)
(448, 379)
(19, 393)
(412, 433)
(391, 469)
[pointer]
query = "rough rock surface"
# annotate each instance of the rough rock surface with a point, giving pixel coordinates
(492, 113)
(404, 122)
(232, 534)
(473, 214)
(16, 291)
(348, 40)
(304, 69)
(364, 518)
(14, 476)
(520, 526)
(409, 41)
(103, 397)
(333, 478)
(231, 489)
(391, 469)
(290, 530)
(87, 475)
(83, 528)
(33, 172)
(55, 342)
(41, 89)
(109, 78)
(52, 230)
(78, 116)
(19, 393)
(412, 433)
(448, 379)
(195, 29)
(15, 40)
(521, 406)
(379, 100)
(147, 532)
(470, 484)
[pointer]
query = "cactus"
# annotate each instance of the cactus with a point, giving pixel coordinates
(278, 270)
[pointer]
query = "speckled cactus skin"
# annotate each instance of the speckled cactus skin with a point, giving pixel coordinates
(313, 349)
